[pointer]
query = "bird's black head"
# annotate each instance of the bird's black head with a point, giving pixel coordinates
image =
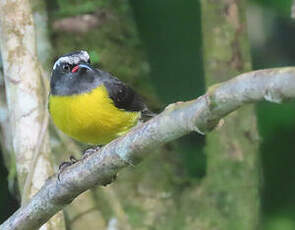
(73, 74)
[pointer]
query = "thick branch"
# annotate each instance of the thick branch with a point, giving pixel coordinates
(201, 114)
(23, 87)
(25, 99)
(293, 9)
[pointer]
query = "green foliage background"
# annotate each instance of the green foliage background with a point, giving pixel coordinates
(171, 38)
(281, 7)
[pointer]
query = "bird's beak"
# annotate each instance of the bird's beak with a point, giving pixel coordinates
(81, 68)
(84, 67)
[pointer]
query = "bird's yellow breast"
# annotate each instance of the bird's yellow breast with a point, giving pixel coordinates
(91, 117)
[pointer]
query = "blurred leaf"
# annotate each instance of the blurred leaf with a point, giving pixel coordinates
(75, 7)
(94, 57)
(275, 116)
(283, 7)
(280, 223)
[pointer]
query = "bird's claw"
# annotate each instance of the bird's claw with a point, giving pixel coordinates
(73, 160)
(90, 151)
(64, 165)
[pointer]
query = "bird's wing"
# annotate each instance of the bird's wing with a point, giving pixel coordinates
(124, 97)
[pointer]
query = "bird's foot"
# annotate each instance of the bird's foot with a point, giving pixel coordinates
(89, 151)
(66, 164)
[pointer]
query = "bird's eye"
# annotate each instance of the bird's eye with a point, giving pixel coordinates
(66, 67)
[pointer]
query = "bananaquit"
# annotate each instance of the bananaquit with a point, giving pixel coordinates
(91, 105)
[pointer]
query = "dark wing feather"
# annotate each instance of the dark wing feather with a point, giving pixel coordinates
(124, 97)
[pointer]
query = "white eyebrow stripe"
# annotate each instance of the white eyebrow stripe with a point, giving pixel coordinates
(74, 59)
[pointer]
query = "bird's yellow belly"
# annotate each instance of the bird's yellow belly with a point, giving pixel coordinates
(91, 117)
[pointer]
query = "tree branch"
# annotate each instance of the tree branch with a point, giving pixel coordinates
(201, 114)
(25, 100)
(293, 10)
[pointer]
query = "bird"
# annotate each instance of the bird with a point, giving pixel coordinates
(89, 104)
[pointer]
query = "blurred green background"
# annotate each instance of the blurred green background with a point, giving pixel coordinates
(171, 38)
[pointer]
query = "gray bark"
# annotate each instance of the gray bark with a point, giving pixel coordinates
(25, 94)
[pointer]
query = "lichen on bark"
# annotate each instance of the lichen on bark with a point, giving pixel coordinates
(229, 195)
(25, 100)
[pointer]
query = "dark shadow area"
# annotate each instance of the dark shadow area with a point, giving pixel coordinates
(171, 32)
(8, 203)
(276, 124)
